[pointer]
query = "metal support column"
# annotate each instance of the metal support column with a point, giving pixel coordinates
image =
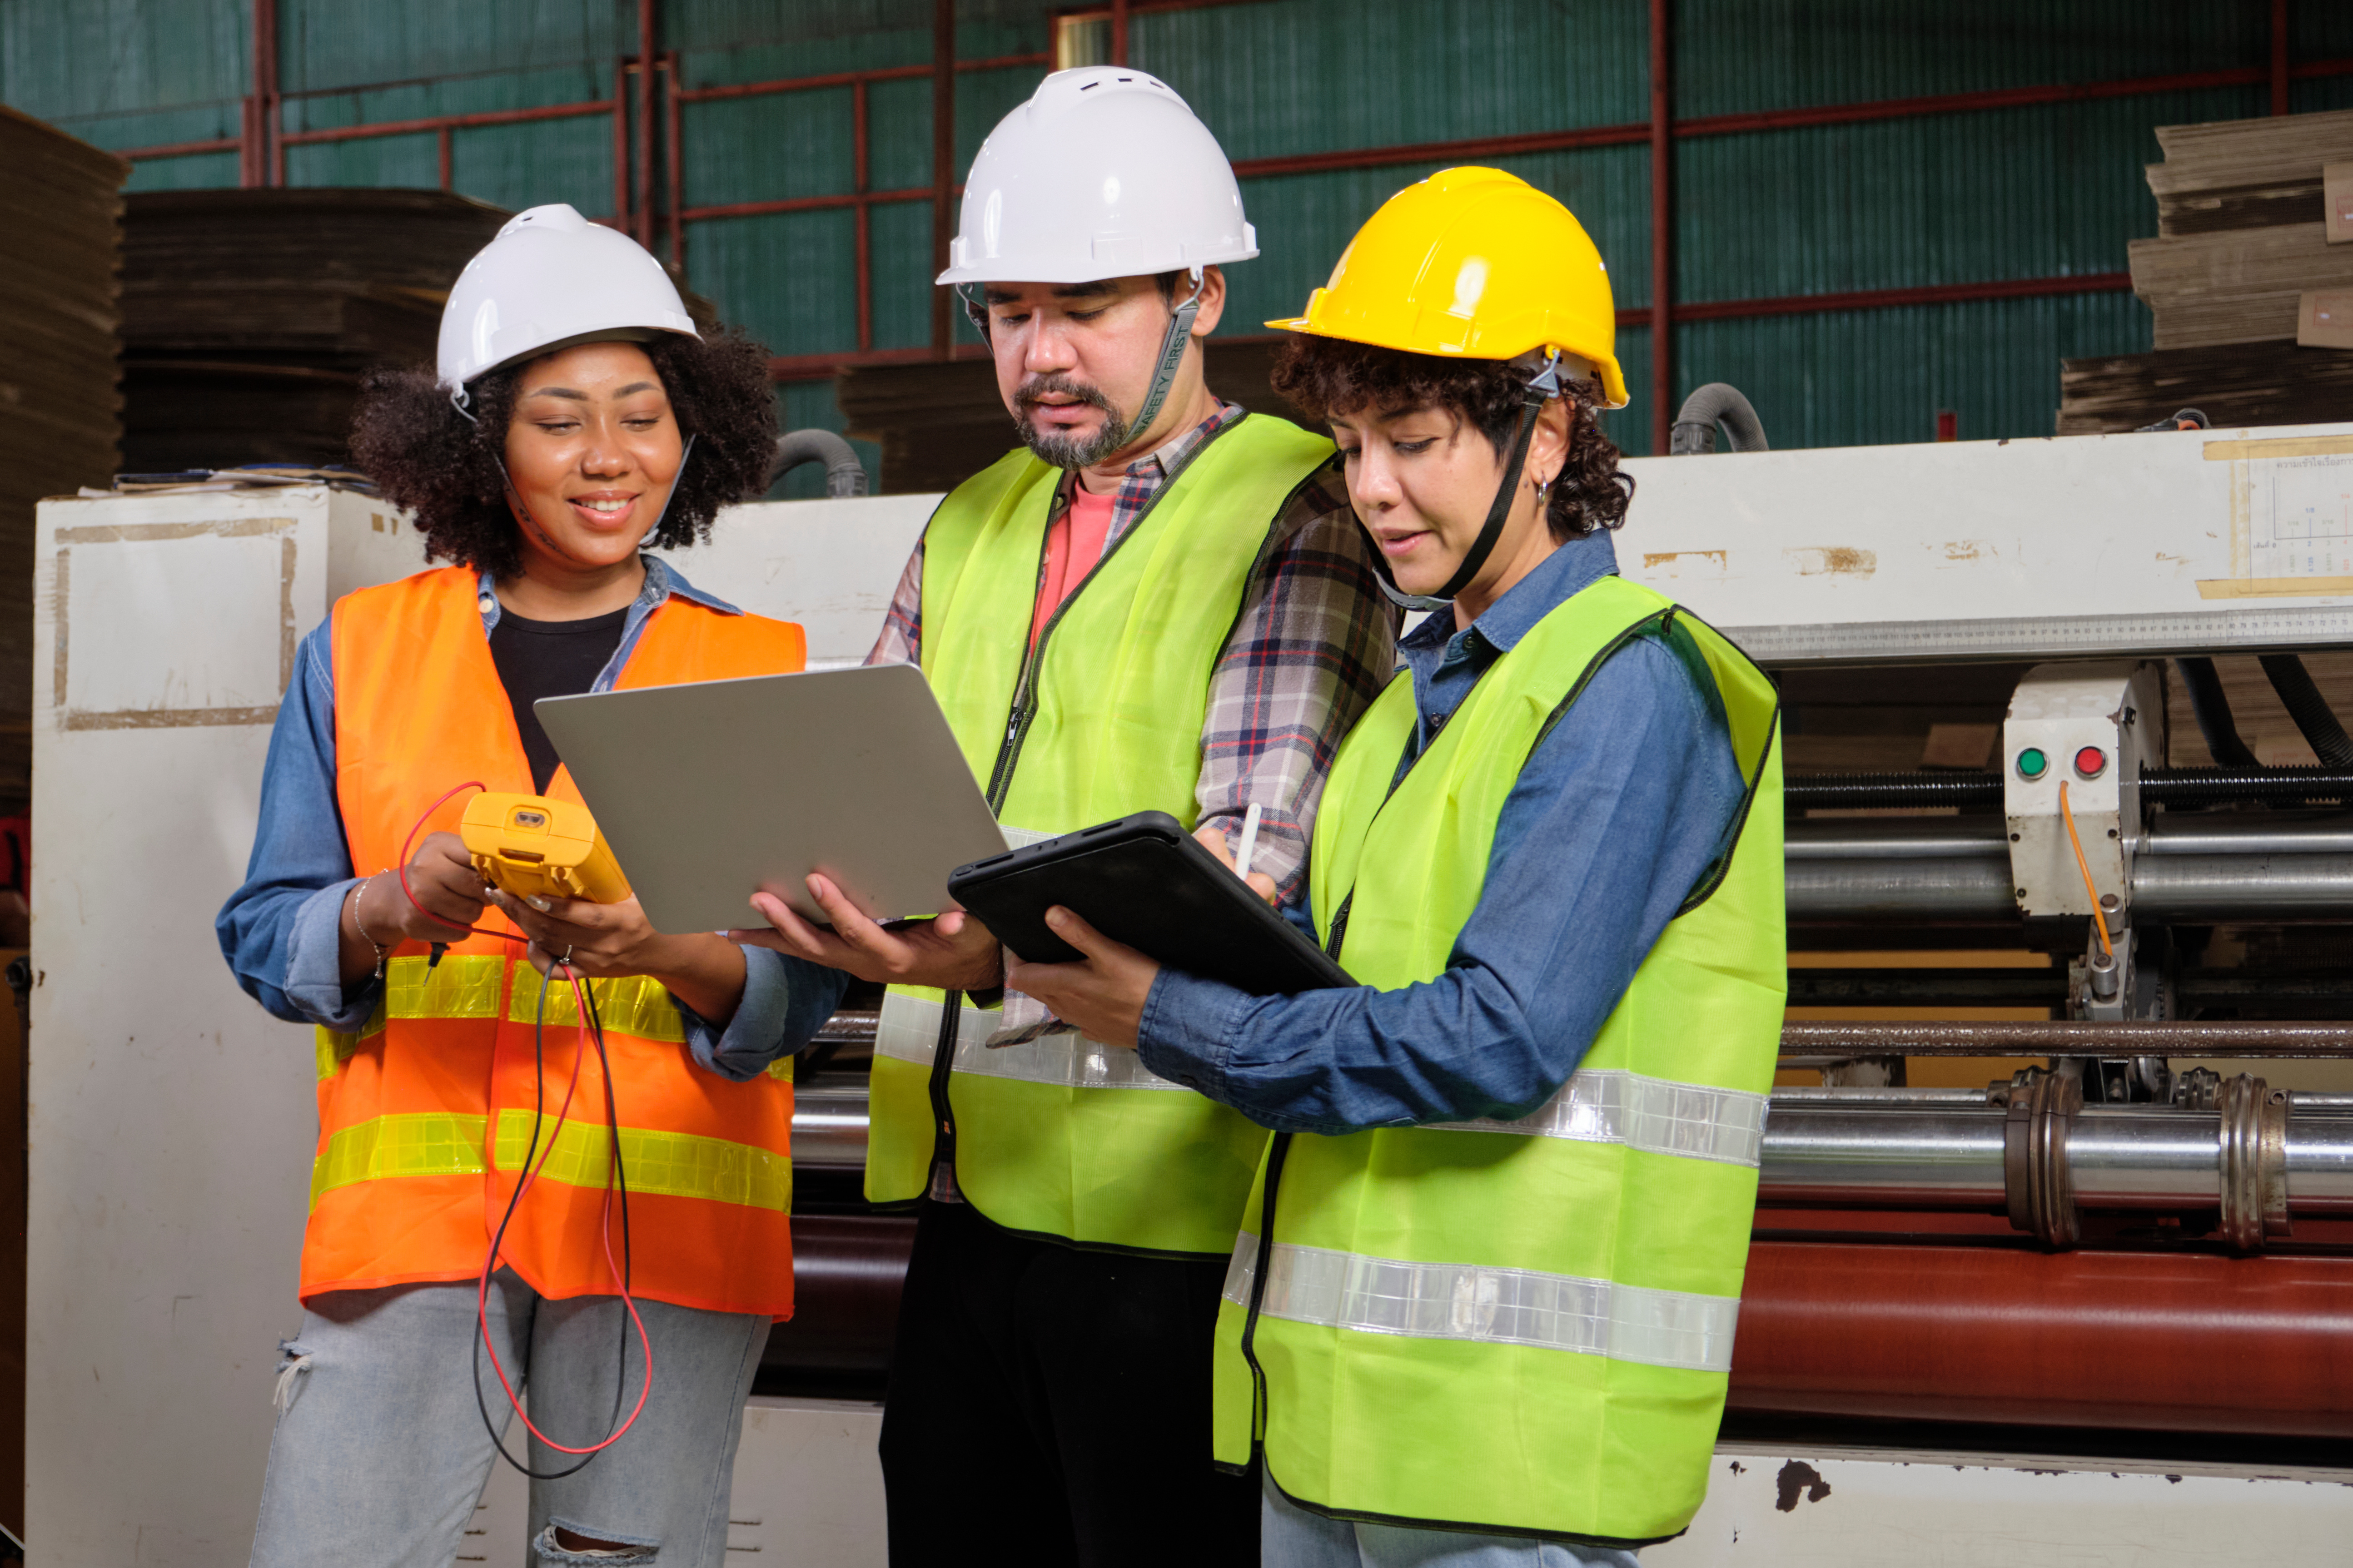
(1663, 229)
(942, 165)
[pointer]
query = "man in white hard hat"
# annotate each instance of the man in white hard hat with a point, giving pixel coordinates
(1159, 603)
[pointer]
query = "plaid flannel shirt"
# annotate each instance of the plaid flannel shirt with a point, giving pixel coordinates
(1314, 645)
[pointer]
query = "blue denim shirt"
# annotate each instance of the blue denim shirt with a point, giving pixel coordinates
(1616, 816)
(281, 931)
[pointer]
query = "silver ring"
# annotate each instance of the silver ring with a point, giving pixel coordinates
(567, 959)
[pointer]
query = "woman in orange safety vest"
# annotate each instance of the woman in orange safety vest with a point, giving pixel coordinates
(577, 414)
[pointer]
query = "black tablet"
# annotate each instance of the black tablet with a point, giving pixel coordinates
(1142, 880)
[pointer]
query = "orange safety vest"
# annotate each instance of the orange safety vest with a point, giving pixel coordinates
(425, 1115)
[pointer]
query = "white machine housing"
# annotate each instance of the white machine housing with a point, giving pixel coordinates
(2114, 707)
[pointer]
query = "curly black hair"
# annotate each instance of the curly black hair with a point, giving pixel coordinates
(426, 456)
(1324, 376)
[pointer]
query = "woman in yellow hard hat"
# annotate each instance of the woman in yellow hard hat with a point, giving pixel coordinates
(1482, 1308)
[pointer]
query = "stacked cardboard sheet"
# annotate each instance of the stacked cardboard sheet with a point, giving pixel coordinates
(61, 228)
(249, 315)
(2244, 252)
(2242, 230)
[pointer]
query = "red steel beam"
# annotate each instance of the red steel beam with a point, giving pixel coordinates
(620, 111)
(442, 151)
(1469, 150)
(1119, 32)
(850, 78)
(859, 199)
(1964, 102)
(942, 165)
(2279, 57)
(262, 112)
(645, 148)
(181, 149)
(803, 83)
(1663, 230)
(674, 156)
(439, 122)
(862, 219)
(2021, 1337)
(1887, 299)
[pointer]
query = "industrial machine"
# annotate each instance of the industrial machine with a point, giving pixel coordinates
(2054, 1248)
(2110, 1218)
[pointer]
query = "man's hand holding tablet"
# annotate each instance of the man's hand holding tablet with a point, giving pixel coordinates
(952, 952)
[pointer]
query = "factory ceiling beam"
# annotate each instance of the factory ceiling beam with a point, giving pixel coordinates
(259, 160)
(649, 25)
(1662, 221)
(942, 176)
(2279, 57)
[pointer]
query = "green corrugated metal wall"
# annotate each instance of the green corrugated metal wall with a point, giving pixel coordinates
(2024, 192)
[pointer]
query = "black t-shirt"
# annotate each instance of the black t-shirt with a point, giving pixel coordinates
(549, 659)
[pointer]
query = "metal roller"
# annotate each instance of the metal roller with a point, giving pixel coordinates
(2275, 889)
(1956, 869)
(848, 1270)
(2171, 1342)
(1895, 1148)
(829, 1125)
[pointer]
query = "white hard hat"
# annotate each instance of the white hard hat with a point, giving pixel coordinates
(548, 280)
(1105, 173)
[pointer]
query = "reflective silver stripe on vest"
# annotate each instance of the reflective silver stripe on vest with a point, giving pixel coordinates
(1656, 1115)
(1491, 1305)
(909, 1031)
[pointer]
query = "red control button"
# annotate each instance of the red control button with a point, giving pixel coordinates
(2090, 762)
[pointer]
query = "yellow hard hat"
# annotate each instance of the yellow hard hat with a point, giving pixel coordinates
(1472, 264)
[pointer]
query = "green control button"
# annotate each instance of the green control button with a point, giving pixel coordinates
(2033, 763)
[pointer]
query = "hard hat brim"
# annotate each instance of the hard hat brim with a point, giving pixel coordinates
(1019, 270)
(1604, 370)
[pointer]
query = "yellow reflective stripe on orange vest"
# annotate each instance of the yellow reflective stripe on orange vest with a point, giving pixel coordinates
(468, 985)
(666, 1165)
(637, 1004)
(418, 1143)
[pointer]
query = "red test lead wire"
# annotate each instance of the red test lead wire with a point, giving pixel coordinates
(605, 1224)
(409, 843)
(591, 1031)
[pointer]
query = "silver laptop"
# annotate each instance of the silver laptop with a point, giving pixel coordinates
(712, 790)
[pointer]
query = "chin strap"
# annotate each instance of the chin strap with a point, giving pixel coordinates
(1164, 372)
(1542, 388)
(1172, 355)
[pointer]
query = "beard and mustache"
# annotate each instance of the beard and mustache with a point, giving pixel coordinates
(1065, 451)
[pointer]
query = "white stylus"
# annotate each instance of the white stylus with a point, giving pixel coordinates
(1249, 845)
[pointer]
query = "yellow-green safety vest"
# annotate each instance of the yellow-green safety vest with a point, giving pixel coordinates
(1064, 1137)
(1520, 1327)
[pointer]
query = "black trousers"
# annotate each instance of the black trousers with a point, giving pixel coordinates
(1050, 1406)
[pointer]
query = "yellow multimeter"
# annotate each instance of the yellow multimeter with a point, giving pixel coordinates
(530, 847)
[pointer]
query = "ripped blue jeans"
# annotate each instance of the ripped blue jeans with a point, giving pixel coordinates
(380, 1454)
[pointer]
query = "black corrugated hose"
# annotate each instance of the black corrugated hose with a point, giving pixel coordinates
(2204, 684)
(2309, 709)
